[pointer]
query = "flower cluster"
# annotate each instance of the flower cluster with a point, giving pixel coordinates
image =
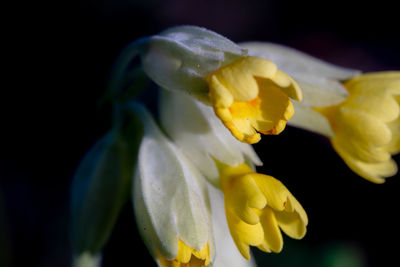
(197, 197)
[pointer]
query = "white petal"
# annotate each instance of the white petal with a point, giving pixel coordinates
(169, 194)
(226, 252)
(306, 118)
(194, 127)
(295, 62)
(179, 58)
(320, 92)
(203, 42)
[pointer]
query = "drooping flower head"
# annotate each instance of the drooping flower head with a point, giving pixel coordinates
(249, 94)
(257, 208)
(367, 124)
(358, 113)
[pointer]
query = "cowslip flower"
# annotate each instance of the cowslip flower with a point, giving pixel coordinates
(252, 96)
(249, 94)
(256, 206)
(359, 113)
(170, 201)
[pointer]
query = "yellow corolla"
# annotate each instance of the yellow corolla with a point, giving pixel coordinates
(187, 257)
(366, 125)
(252, 96)
(257, 208)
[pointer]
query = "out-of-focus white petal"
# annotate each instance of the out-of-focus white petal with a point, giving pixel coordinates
(295, 62)
(87, 259)
(200, 135)
(320, 81)
(308, 119)
(226, 252)
(170, 197)
(321, 92)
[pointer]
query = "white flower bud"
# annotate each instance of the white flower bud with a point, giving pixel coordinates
(170, 197)
(180, 57)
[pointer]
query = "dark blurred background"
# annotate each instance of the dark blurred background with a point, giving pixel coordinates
(57, 62)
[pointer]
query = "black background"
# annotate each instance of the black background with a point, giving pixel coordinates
(57, 59)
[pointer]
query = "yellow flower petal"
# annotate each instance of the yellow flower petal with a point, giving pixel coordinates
(374, 172)
(293, 223)
(272, 234)
(373, 93)
(243, 196)
(187, 257)
(243, 234)
(394, 146)
(275, 192)
(257, 206)
(251, 95)
(367, 125)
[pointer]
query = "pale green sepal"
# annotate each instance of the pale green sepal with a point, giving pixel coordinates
(86, 259)
(101, 186)
(180, 57)
(226, 253)
(203, 138)
(170, 197)
(306, 118)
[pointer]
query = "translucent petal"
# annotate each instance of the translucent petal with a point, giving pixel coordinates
(179, 58)
(306, 118)
(295, 62)
(199, 134)
(320, 91)
(173, 193)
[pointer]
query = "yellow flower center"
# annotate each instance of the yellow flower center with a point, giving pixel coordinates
(251, 96)
(187, 257)
(257, 208)
(367, 125)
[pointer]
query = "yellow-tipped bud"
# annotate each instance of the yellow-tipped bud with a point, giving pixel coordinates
(366, 125)
(257, 208)
(187, 257)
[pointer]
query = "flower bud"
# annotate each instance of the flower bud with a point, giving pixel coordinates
(101, 186)
(180, 58)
